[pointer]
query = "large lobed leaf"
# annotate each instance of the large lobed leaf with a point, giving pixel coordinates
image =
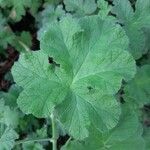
(90, 65)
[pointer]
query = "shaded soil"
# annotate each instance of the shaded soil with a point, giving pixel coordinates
(6, 62)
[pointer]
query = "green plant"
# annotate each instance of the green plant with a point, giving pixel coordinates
(88, 83)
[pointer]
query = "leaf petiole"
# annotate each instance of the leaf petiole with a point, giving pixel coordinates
(54, 131)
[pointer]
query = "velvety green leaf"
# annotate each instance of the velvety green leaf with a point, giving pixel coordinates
(89, 65)
(80, 7)
(76, 114)
(32, 71)
(137, 90)
(133, 23)
(123, 9)
(7, 139)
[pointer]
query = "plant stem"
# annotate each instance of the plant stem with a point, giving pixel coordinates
(32, 140)
(24, 46)
(54, 131)
(68, 141)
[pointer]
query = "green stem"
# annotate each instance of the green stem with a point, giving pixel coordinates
(54, 131)
(68, 141)
(32, 140)
(24, 46)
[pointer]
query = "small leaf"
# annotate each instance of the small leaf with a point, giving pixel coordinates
(7, 139)
(80, 7)
(8, 116)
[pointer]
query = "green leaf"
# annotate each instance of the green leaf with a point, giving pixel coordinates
(32, 71)
(7, 139)
(32, 146)
(126, 135)
(8, 116)
(19, 8)
(80, 7)
(4, 3)
(133, 23)
(77, 113)
(146, 136)
(105, 8)
(90, 63)
(6, 35)
(42, 133)
(54, 2)
(34, 6)
(48, 15)
(11, 96)
(137, 91)
(29, 143)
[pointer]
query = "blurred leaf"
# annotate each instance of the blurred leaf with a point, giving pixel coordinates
(138, 90)
(7, 138)
(133, 23)
(80, 7)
